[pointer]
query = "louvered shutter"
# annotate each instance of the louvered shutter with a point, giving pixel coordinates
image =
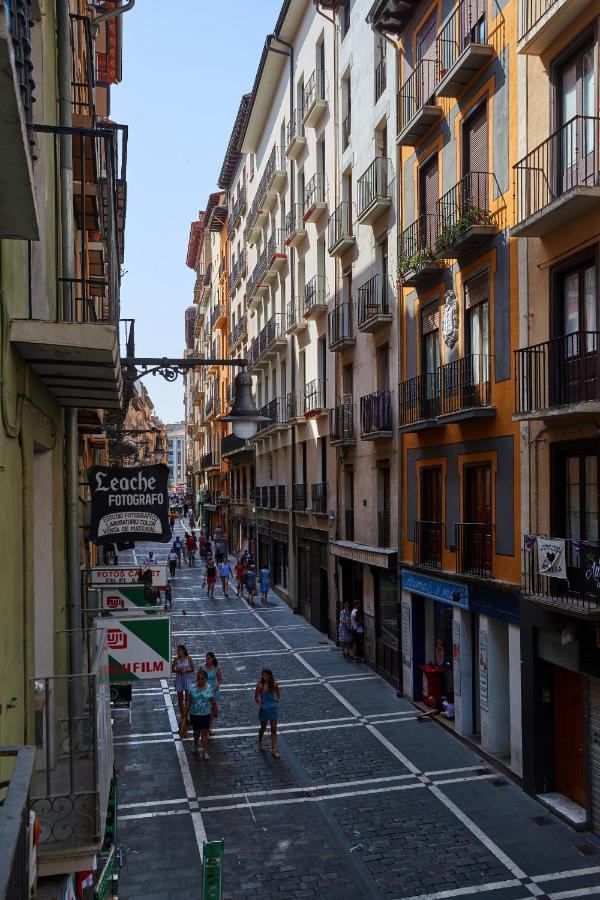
(431, 321)
(476, 142)
(477, 289)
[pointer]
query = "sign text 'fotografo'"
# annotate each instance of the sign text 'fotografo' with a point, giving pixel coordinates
(139, 648)
(129, 503)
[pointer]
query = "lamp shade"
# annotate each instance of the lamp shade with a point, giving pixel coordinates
(243, 415)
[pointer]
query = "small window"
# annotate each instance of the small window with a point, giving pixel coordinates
(345, 18)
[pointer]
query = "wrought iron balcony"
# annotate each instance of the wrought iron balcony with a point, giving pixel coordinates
(339, 230)
(349, 524)
(276, 411)
(209, 461)
(559, 181)
(380, 78)
(418, 405)
(237, 210)
(376, 416)
(427, 549)
(474, 543)
(374, 192)
(295, 321)
(341, 422)
(543, 22)
(232, 444)
(270, 339)
(318, 498)
(19, 762)
(315, 201)
(465, 388)
(578, 594)
(558, 378)
(314, 397)
(314, 98)
(296, 139)
(315, 294)
(384, 528)
(373, 304)
(462, 48)
(341, 328)
(207, 275)
(218, 314)
(257, 287)
(239, 331)
(417, 109)
(295, 227)
(417, 257)
(277, 252)
(299, 497)
(464, 215)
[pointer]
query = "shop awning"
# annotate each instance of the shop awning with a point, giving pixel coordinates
(382, 557)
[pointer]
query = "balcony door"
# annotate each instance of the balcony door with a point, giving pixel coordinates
(428, 198)
(576, 504)
(576, 98)
(475, 374)
(430, 528)
(430, 361)
(476, 540)
(573, 362)
(426, 54)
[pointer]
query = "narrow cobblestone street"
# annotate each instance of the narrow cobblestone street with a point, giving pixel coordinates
(365, 802)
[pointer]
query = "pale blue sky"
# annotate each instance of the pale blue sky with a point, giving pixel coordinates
(183, 78)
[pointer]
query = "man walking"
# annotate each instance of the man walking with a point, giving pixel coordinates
(224, 573)
(190, 546)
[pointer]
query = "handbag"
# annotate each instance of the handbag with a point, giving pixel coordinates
(183, 728)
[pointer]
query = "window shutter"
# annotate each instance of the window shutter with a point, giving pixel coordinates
(476, 141)
(431, 321)
(477, 289)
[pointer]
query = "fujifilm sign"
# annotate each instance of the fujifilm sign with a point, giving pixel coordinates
(130, 504)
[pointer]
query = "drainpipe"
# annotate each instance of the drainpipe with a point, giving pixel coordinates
(67, 238)
(112, 13)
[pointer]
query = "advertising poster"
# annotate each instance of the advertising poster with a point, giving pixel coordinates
(129, 504)
(139, 648)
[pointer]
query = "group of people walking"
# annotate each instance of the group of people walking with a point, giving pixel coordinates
(198, 699)
(351, 632)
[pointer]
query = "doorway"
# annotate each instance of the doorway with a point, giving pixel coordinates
(569, 755)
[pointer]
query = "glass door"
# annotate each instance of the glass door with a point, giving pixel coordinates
(577, 88)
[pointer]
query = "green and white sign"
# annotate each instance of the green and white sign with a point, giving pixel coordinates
(212, 870)
(139, 648)
(119, 598)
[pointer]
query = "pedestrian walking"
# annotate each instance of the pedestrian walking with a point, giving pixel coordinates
(172, 520)
(357, 628)
(240, 571)
(224, 574)
(215, 679)
(172, 560)
(250, 584)
(177, 548)
(200, 709)
(185, 509)
(210, 578)
(190, 546)
(149, 559)
(168, 596)
(265, 583)
(192, 521)
(267, 695)
(344, 633)
(182, 666)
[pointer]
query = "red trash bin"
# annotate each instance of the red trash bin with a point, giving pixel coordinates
(432, 684)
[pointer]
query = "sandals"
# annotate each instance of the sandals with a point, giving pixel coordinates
(276, 754)
(261, 746)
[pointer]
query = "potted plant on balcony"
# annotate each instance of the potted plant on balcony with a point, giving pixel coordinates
(413, 264)
(470, 215)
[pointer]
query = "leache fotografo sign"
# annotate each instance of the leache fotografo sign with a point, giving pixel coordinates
(138, 647)
(129, 503)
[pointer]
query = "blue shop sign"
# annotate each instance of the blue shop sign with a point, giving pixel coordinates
(450, 592)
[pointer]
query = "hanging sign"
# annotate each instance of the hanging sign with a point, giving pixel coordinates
(551, 557)
(116, 599)
(103, 575)
(129, 504)
(139, 648)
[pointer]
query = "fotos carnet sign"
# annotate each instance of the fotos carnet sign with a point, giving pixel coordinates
(139, 648)
(131, 504)
(103, 575)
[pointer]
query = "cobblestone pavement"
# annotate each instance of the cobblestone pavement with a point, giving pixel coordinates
(366, 801)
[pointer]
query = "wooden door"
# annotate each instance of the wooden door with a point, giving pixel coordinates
(430, 535)
(569, 764)
(477, 537)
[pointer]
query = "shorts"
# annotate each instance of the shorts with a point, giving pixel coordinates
(200, 723)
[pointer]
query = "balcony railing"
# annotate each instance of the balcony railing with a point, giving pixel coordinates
(464, 384)
(299, 497)
(376, 415)
(209, 460)
(579, 593)
(473, 542)
(218, 312)
(231, 443)
(417, 257)
(277, 250)
(281, 496)
(314, 97)
(295, 315)
(341, 330)
(318, 498)
(239, 331)
(14, 821)
(295, 128)
(563, 372)
(462, 48)
(339, 228)
(427, 549)
(418, 399)
(314, 194)
(374, 189)
(314, 294)
(349, 524)
(295, 405)
(383, 528)
(373, 304)
(464, 214)
(295, 229)
(417, 92)
(236, 210)
(553, 182)
(341, 421)
(83, 80)
(532, 11)
(380, 78)
(314, 396)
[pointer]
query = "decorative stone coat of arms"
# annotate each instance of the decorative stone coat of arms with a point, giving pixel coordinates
(450, 319)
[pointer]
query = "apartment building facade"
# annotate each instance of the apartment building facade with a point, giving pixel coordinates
(62, 217)
(458, 296)
(176, 446)
(557, 205)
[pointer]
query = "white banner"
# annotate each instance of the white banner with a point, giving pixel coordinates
(127, 575)
(551, 557)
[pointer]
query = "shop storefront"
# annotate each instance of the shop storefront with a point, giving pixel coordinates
(462, 642)
(272, 551)
(312, 581)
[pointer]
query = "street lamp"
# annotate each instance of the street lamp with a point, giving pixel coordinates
(159, 449)
(243, 415)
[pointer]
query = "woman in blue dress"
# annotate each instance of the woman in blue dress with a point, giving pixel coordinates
(215, 679)
(200, 709)
(266, 697)
(182, 667)
(265, 583)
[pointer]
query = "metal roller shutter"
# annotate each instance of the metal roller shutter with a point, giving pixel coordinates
(594, 754)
